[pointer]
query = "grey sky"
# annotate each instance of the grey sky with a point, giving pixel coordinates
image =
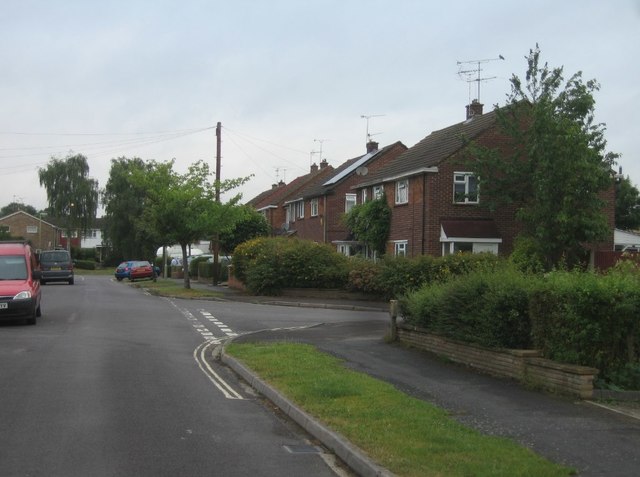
(98, 78)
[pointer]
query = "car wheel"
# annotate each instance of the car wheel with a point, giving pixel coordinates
(119, 279)
(71, 282)
(42, 282)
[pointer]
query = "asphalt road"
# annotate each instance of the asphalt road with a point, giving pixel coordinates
(111, 382)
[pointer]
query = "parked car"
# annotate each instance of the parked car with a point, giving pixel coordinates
(56, 266)
(20, 293)
(141, 269)
(124, 270)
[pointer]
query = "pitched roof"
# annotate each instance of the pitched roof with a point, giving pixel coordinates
(433, 149)
(285, 192)
(346, 169)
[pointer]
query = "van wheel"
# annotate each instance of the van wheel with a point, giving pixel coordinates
(42, 282)
(71, 282)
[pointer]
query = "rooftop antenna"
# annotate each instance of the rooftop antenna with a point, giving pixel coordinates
(284, 174)
(320, 151)
(367, 117)
(470, 74)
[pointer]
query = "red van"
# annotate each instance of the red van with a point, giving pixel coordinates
(19, 282)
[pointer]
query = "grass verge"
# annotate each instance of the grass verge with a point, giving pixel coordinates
(407, 436)
(175, 289)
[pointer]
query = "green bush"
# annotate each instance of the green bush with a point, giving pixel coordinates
(487, 308)
(85, 264)
(364, 276)
(267, 265)
(591, 320)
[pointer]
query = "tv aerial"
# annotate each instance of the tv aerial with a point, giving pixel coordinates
(474, 75)
(368, 117)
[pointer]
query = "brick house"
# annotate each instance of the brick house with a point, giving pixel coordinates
(435, 200)
(271, 203)
(324, 203)
(42, 234)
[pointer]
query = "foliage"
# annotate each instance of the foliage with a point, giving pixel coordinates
(85, 264)
(591, 320)
(251, 224)
(364, 276)
(554, 166)
(393, 277)
(4, 233)
(181, 208)
(15, 207)
(370, 223)
(489, 309)
(125, 198)
(627, 205)
(267, 265)
(71, 193)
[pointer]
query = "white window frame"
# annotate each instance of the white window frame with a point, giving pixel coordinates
(349, 202)
(300, 209)
(402, 191)
(400, 248)
(363, 195)
(32, 229)
(378, 190)
(314, 207)
(288, 214)
(461, 180)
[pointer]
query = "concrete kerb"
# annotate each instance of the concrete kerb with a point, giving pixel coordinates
(350, 455)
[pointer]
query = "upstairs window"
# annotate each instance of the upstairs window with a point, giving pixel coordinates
(465, 188)
(314, 207)
(364, 195)
(300, 209)
(402, 191)
(349, 202)
(378, 191)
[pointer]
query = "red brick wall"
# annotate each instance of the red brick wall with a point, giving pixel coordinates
(46, 236)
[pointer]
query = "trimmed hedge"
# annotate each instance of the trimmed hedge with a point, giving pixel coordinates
(591, 320)
(267, 265)
(573, 317)
(85, 264)
(489, 309)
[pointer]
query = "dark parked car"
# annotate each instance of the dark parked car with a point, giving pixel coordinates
(56, 266)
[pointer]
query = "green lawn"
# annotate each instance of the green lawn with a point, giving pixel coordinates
(405, 435)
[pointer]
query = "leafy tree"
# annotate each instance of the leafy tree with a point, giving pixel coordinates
(181, 208)
(627, 205)
(555, 165)
(124, 199)
(72, 194)
(370, 223)
(15, 207)
(251, 225)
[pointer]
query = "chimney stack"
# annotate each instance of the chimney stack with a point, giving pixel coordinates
(474, 109)
(314, 167)
(323, 164)
(372, 146)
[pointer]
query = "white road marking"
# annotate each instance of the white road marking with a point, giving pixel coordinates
(199, 355)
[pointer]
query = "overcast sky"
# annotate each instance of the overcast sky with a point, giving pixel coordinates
(286, 78)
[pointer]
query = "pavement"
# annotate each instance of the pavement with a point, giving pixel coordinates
(597, 438)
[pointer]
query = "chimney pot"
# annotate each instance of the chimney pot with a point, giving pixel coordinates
(323, 164)
(314, 167)
(372, 146)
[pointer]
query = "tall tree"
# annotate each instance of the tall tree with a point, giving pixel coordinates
(71, 193)
(627, 205)
(182, 209)
(555, 167)
(124, 199)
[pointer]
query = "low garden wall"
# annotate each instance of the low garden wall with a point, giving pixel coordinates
(526, 366)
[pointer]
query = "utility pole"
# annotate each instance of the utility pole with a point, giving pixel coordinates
(216, 237)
